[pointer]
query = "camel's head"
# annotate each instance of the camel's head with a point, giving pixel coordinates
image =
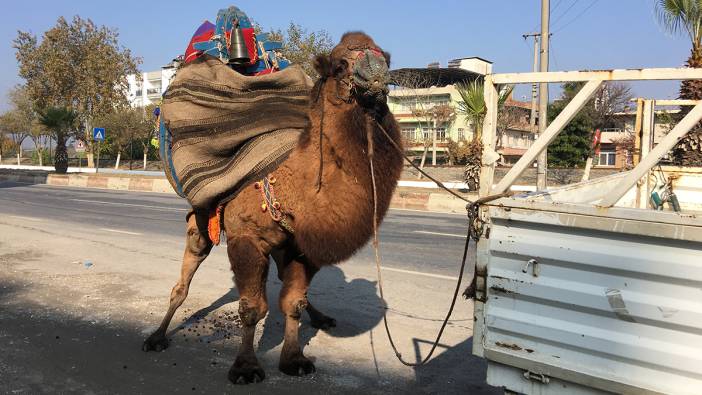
(359, 66)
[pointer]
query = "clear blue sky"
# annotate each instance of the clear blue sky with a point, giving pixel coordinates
(588, 34)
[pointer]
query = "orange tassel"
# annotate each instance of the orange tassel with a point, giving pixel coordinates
(213, 225)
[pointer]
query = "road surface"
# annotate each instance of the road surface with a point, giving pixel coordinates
(85, 275)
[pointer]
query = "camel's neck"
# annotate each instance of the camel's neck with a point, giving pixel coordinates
(333, 219)
(339, 131)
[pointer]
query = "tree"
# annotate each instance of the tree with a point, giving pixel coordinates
(611, 98)
(120, 127)
(41, 139)
(473, 106)
(301, 46)
(60, 122)
(26, 118)
(3, 139)
(126, 125)
(77, 65)
(572, 146)
(17, 121)
(685, 17)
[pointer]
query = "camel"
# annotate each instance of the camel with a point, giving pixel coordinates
(325, 193)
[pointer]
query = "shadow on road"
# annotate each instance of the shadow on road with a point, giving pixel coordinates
(433, 377)
(332, 294)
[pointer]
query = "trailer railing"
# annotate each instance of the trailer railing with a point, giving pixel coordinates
(593, 80)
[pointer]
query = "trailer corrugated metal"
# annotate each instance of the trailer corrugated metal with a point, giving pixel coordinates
(588, 288)
(590, 299)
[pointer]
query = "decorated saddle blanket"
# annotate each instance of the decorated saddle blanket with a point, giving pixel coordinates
(231, 114)
(221, 130)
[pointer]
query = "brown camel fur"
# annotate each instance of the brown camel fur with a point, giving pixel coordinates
(331, 219)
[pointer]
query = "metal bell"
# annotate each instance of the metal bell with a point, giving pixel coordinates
(238, 53)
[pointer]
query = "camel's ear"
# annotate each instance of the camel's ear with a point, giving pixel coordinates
(322, 64)
(387, 57)
(340, 68)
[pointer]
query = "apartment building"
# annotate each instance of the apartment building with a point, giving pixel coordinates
(146, 88)
(424, 102)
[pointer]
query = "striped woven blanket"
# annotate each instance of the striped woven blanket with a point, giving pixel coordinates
(223, 130)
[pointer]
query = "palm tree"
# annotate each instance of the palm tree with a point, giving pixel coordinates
(59, 121)
(472, 105)
(685, 17)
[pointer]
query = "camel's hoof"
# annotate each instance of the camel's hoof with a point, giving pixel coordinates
(245, 371)
(155, 342)
(323, 323)
(297, 365)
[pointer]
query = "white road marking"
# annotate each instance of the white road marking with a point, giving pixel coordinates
(427, 212)
(121, 231)
(392, 269)
(426, 232)
(26, 218)
(131, 205)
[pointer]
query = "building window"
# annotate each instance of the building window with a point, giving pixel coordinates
(607, 158)
(441, 134)
(427, 134)
(461, 134)
(408, 134)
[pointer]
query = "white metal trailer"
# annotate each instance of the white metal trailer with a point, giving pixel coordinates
(579, 290)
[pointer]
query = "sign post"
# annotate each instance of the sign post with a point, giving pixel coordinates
(79, 147)
(99, 136)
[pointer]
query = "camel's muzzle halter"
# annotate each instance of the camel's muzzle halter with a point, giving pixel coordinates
(369, 73)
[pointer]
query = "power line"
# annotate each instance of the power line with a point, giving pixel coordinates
(558, 18)
(553, 54)
(558, 3)
(556, 6)
(577, 16)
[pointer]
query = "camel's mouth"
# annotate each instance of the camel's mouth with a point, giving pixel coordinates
(370, 74)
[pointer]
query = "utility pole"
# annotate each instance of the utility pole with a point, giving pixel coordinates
(532, 117)
(541, 162)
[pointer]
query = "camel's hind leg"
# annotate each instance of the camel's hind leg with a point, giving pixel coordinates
(282, 257)
(293, 301)
(249, 259)
(197, 247)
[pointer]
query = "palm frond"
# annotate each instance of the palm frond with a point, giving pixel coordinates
(472, 103)
(680, 17)
(57, 118)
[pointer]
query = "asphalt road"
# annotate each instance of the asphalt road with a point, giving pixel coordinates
(430, 243)
(85, 275)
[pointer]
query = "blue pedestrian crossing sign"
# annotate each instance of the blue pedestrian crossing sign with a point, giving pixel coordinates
(98, 134)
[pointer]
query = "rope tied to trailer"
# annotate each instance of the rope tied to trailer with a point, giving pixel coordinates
(475, 230)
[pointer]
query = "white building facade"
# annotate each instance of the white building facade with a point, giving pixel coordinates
(146, 88)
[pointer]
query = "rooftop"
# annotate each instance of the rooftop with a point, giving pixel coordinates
(428, 77)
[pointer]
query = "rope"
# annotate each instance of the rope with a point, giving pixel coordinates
(473, 233)
(320, 93)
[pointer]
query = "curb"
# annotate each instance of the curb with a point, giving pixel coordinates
(402, 199)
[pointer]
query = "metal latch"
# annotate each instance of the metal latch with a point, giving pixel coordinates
(542, 378)
(536, 270)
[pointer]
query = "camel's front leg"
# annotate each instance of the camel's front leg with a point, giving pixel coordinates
(249, 263)
(197, 248)
(293, 301)
(282, 258)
